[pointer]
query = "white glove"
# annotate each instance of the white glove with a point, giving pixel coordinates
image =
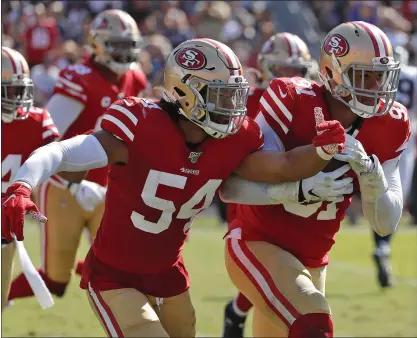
(356, 156)
(88, 194)
(327, 186)
(370, 174)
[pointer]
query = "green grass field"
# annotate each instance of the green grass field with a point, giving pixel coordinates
(360, 308)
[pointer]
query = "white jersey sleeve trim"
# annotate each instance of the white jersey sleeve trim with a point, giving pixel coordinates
(120, 125)
(271, 112)
(279, 103)
(126, 112)
(70, 84)
(64, 111)
(49, 132)
(271, 139)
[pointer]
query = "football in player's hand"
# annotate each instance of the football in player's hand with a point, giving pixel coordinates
(333, 165)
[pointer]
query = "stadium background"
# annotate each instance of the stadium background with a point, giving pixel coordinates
(359, 307)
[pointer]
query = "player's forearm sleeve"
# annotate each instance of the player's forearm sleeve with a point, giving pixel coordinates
(383, 212)
(80, 153)
(241, 191)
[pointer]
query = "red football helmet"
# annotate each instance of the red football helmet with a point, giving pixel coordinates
(16, 86)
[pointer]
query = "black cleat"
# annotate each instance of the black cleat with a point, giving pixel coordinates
(233, 323)
(383, 263)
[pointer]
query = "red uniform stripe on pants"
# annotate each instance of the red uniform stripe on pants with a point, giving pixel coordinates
(107, 317)
(240, 253)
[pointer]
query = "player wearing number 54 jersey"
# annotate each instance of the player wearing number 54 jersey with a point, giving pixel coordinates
(277, 254)
(167, 160)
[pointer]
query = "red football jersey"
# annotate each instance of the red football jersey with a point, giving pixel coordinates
(308, 230)
(20, 138)
(84, 83)
(152, 200)
(252, 106)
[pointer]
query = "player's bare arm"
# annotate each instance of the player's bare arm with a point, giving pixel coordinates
(276, 167)
(298, 163)
(73, 177)
(116, 149)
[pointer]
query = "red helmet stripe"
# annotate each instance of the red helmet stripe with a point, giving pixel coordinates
(371, 35)
(121, 21)
(231, 58)
(288, 44)
(11, 59)
(380, 45)
(384, 41)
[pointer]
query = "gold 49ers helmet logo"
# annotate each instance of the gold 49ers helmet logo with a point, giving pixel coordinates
(337, 45)
(191, 58)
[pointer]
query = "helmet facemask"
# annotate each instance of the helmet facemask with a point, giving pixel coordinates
(120, 54)
(16, 99)
(365, 102)
(274, 69)
(220, 108)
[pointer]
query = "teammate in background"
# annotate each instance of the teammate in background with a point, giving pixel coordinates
(167, 161)
(283, 55)
(406, 95)
(81, 96)
(18, 117)
(277, 251)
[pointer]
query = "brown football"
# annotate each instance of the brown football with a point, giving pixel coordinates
(333, 165)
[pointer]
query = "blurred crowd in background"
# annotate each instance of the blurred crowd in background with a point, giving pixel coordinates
(52, 34)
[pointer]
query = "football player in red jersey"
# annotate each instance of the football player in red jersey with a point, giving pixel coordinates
(167, 161)
(18, 117)
(277, 254)
(283, 55)
(82, 94)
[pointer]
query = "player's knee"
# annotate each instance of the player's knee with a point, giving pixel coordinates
(145, 329)
(312, 325)
(189, 329)
(56, 288)
(318, 303)
(184, 327)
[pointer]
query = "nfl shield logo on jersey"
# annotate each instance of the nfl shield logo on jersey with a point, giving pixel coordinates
(194, 156)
